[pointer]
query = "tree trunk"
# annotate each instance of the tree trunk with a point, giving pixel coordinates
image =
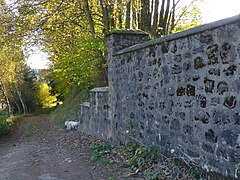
(9, 107)
(110, 9)
(155, 19)
(134, 15)
(105, 14)
(119, 15)
(165, 20)
(160, 24)
(173, 16)
(19, 109)
(21, 100)
(128, 15)
(89, 18)
(145, 15)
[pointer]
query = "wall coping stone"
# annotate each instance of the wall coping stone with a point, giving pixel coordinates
(179, 35)
(100, 89)
(86, 104)
(127, 32)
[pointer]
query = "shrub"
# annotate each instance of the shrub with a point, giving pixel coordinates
(5, 124)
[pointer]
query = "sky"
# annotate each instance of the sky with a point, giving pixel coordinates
(212, 10)
(37, 59)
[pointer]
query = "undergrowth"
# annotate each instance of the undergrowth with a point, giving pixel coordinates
(100, 152)
(6, 123)
(70, 108)
(146, 160)
(141, 157)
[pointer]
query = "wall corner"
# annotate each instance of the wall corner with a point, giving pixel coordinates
(121, 39)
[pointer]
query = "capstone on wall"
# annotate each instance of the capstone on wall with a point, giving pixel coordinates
(180, 93)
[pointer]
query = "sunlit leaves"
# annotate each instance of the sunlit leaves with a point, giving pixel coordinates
(44, 97)
(72, 32)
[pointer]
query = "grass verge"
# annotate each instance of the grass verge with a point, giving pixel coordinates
(70, 108)
(147, 162)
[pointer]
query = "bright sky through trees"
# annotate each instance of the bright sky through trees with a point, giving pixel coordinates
(212, 10)
(38, 59)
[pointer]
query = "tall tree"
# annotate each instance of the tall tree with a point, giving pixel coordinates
(72, 32)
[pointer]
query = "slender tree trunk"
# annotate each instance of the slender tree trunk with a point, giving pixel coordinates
(160, 24)
(21, 100)
(90, 19)
(134, 15)
(110, 8)
(105, 15)
(18, 106)
(145, 15)
(9, 107)
(155, 19)
(173, 16)
(128, 15)
(165, 20)
(119, 15)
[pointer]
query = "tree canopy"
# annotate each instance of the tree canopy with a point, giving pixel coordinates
(73, 34)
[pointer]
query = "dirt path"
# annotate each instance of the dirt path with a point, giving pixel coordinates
(38, 149)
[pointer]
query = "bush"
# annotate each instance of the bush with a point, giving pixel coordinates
(5, 124)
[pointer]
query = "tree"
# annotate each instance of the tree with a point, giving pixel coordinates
(12, 63)
(45, 99)
(73, 32)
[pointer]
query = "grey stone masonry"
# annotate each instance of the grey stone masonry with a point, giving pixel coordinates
(180, 93)
(94, 114)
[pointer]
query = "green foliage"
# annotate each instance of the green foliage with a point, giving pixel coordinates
(100, 152)
(7, 122)
(4, 125)
(72, 33)
(189, 19)
(111, 177)
(70, 107)
(45, 99)
(196, 172)
(150, 174)
(140, 156)
(77, 64)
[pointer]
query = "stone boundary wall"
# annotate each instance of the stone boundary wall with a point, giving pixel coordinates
(180, 93)
(94, 114)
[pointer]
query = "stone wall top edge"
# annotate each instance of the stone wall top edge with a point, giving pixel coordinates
(86, 104)
(100, 89)
(127, 32)
(179, 35)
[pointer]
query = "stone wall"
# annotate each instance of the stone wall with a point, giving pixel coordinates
(94, 114)
(180, 93)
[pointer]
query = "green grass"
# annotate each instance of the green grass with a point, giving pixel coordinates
(70, 108)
